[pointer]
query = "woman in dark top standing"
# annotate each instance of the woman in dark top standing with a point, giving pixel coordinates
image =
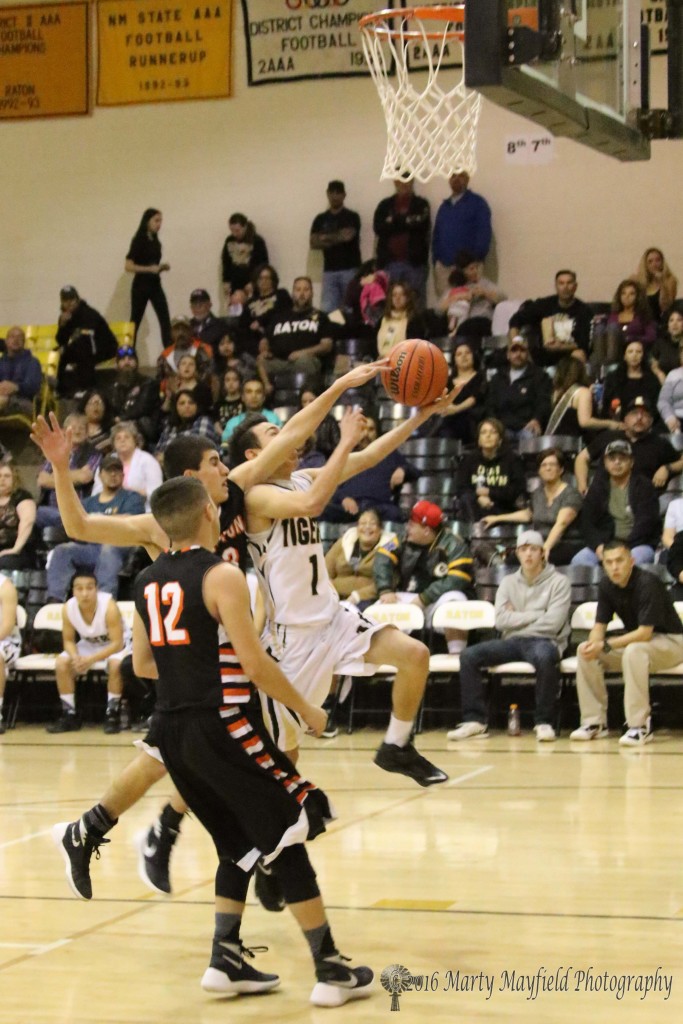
(243, 251)
(144, 261)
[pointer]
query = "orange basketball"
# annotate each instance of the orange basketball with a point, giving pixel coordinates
(417, 373)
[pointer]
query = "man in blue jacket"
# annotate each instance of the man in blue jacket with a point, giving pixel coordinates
(463, 222)
(20, 375)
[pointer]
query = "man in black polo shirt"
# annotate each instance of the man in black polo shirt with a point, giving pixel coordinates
(653, 641)
(653, 455)
(300, 337)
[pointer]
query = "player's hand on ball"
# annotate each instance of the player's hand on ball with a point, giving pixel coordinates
(440, 406)
(315, 719)
(352, 428)
(362, 374)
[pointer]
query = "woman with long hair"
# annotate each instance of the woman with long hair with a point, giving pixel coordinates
(143, 260)
(229, 401)
(459, 419)
(95, 407)
(631, 316)
(401, 319)
(267, 300)
(572, 412)
(243, 251)
(631, 379)
(490, 480)
(17, 518)
(659, 284)
(185, 418)
(666, 351)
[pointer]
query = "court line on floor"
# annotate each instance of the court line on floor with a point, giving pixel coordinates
(25, 839)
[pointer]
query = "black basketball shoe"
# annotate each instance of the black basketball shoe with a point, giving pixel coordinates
(77, 847)
(229, 972)
(154, 856)
(338, 984)
(407, 761)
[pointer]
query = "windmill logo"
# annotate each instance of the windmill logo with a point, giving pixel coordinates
(396, 979)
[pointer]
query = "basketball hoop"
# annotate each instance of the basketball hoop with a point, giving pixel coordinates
(432, 125)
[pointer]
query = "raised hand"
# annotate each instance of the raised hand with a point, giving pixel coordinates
(352, 427)
(440, 406)
(362, 374)
(54, 443)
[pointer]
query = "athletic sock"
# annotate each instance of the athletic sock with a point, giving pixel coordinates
(68, 700)
(321, 942)
(170, 818)
(116, 697)
(456, 646)
(227, 928)
(398, 732)
(97, 820)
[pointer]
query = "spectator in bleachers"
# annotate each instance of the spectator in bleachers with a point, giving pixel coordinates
(365, 300)
(185, 417)
(519, 396)
(351, 558)
(94, 406)
(456, 302)
(253, 401)
(327, 435)
(483, 296)
(670, 401)
(372, 488)
(632, 378)
(532, 614)
(460, 418)
(667, 350)
(17, 518)
(243, 251)
(463, 222)
(183, 343)
(141, 471)
(620, 504)
(429, 567)
(187, 378)
(659, 284)
(83, 464)
(553, 508)
(572, 399)
(631, 319)
(653, 641)
(674, 560)
(10, 638)
(20, 375)
(105, 561)
(673, 522)
(267, 301)
(654, 456)
(401, 320)
(402, 224)
(92, 631)
(559, 324)
(143, 260)
(228, 357)
(300, 338)
(336, 232)
(229, 401)
(490, 480)
(206, 327)
(134, 397)
(84, 338)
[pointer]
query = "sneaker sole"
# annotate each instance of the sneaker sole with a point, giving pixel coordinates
(324, 994)
(218, 983)
(473, 736)
(588, 739)
(442, 777)
(140, 842)
(636, 743)
(57, 832)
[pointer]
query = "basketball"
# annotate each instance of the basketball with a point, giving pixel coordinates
(417, 373)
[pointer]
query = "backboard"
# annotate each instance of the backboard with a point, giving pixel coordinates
(579, 68)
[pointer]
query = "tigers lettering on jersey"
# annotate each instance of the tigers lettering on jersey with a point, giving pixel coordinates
(301, 530)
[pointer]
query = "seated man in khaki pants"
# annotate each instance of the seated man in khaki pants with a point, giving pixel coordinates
(653, 641)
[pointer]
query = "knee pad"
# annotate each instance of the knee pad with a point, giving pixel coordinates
(295, 874)
(231, 881)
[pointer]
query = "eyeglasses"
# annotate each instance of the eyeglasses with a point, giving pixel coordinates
(125, 351)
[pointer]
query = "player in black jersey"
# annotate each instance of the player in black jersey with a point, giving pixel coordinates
(187, 455)
(245, 792)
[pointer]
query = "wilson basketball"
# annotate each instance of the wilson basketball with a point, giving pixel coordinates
(417, 373)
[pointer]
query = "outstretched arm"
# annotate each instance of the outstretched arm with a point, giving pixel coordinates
(301, 427)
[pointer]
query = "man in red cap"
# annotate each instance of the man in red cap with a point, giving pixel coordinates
(429, 567)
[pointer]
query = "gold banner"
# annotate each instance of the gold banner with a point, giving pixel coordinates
(151, 52)
(44, 60)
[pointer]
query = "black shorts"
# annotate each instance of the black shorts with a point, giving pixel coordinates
(245, 792)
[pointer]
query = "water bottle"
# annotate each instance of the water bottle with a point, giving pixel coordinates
(514, 725)
(598, 392)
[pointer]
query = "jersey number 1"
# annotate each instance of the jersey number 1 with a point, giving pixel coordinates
(314, 575)
(163, 630)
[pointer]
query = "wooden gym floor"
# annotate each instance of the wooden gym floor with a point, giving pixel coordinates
(551, 862)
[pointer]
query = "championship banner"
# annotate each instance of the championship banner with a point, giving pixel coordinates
(152, 52)
(44, 60)
(289, 40)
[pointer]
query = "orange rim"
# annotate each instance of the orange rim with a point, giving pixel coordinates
(377, 22)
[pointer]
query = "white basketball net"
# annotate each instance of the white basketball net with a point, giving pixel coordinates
(431, 119)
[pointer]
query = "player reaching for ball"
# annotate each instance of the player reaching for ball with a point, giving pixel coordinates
(308, 631)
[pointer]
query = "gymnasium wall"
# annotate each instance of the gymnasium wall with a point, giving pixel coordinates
(73, 190)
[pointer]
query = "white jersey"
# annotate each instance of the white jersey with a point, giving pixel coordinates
(96, 632)
(290, 564)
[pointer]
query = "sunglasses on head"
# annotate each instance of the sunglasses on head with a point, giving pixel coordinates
(125, 351)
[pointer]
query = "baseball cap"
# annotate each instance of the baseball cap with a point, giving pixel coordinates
(111, 461)
(68, 292)
(639, 402)
(427, 514)
(200, 295)
(619, 448)
(531, 537)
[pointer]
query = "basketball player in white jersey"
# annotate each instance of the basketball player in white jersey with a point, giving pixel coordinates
(94, 617)
(10, 638)
(308, 631)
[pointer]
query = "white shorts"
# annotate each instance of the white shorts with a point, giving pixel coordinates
(310, 656)
(85, 648)
(450, 595)
(10, 649)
